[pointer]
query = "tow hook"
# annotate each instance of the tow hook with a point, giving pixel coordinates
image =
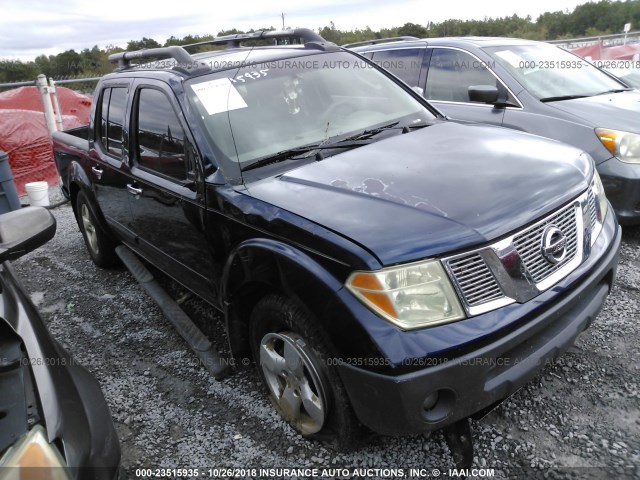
(459, 441)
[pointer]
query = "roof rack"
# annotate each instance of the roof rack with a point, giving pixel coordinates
(233, 41)
(379, 40)
(185, 62)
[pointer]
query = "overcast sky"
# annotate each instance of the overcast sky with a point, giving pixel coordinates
(29, 28)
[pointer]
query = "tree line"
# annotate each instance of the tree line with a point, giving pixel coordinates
(590, 19)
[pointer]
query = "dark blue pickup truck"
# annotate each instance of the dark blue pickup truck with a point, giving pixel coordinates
(382, 265)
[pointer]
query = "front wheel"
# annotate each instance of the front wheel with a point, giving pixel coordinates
(100, 246)
(291, 357)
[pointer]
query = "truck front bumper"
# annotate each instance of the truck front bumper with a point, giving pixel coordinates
(449, 389)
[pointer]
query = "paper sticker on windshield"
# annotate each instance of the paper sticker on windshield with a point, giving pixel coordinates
(219, 96)
(513, 59)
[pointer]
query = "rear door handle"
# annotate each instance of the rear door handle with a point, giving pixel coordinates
(97, 171)
(133, 190)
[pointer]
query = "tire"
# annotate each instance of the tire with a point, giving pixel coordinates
(101, 248)
(291, 358)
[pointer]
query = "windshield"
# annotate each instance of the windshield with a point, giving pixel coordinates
(628, 76)
(264, 109)
(550, 73)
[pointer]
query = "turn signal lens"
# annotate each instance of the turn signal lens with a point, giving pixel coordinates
(411, 296)
(33, 458)
(624, 145)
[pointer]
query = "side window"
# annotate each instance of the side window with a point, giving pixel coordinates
(114, 102)
(403, 63)
(104, 112)
(452, 72)
(160, 137)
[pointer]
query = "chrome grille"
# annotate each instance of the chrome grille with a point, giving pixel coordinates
(528, 243)
(514, 268)
(592, 208)
(474, 279)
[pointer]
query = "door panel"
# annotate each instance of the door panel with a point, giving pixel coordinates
(169, 228)
(168, 209)
(106, 169)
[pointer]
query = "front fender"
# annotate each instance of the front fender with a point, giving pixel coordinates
(560, 126)
(261, 266)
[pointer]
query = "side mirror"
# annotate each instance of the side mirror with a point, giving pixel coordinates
(483, 93)
(418, 90)
(24, 230)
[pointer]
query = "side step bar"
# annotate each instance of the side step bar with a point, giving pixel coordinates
(180, 320)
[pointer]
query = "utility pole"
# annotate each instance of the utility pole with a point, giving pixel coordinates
(283, 20)
(627, 27)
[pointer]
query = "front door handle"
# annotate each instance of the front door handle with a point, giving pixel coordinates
(97, 171)
(133, 190)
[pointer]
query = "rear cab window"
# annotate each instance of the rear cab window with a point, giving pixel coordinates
(112, 115)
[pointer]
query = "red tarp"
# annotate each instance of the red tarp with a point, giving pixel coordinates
(24, 134)
(598, 52)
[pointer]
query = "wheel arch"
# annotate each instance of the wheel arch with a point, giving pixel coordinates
(79, 182)
(260, 267)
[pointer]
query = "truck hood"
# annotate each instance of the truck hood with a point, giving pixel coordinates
(437, 190)
(619, 111)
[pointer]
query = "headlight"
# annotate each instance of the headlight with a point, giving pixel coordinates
(601, 204)
(601, 199)
(33, 450)
(624, 145)
(411, 296)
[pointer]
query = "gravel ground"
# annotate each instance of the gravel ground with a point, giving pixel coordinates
(580, 418)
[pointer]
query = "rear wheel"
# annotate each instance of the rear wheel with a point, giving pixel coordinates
(291, 357)
(100, 246)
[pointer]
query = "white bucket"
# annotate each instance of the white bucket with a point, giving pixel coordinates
(38, 193)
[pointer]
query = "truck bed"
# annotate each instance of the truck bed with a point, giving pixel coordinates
(69, 145)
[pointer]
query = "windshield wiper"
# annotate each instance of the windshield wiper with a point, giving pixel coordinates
(563, 97)
(347, 143)
(391, 126)
(280, 157)
(298, 153)
(410, 128)
(373, 131)
(358, 140)
(616, 90)
(571, 97)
